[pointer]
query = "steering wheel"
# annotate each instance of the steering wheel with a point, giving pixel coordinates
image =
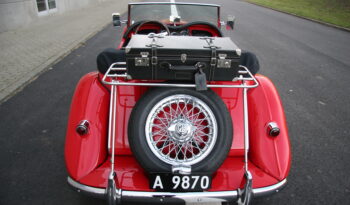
(153, 22)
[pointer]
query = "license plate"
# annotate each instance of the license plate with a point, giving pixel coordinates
(179, 183)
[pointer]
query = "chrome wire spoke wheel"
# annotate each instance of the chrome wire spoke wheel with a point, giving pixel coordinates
(181, 129)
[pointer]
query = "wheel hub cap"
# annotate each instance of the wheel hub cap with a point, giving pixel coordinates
(181, 130)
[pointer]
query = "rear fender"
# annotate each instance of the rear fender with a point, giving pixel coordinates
(90, 102)
(272, 154)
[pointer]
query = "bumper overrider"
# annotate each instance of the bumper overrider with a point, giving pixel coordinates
(117, 196)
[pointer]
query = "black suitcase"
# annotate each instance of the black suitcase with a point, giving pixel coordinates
(157, 57)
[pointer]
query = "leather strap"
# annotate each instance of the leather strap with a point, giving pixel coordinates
(213, 61)
(154, 61)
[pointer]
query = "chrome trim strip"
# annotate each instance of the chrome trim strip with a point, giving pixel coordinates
(170, 3)
(187, 197)
(92, 191)
(263, 191)
(219, 196)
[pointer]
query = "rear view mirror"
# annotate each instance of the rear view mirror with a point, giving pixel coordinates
(230, 24)
(116, 19)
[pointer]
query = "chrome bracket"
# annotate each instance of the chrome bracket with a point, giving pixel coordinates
(245, 195)
(114, 194)
(154, 35)
(181, 169)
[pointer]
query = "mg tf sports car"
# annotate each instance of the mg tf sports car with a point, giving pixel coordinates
(176, 114)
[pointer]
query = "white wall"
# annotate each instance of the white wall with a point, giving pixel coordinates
(17, 13)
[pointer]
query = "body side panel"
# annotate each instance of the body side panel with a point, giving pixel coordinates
(90, 102)
(271, 154)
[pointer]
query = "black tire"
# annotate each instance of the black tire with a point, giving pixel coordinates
(137, 137)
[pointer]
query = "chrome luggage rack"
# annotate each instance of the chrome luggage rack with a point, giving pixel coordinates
(118, 71)
(121, 68)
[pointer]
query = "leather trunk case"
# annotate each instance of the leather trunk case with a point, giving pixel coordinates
(156, 57)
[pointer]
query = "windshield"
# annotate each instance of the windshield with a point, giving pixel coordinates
(170, 12)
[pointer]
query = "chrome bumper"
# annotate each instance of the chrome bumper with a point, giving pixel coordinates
(175, 198)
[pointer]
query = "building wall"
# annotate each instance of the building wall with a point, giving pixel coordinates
(17, 13)
(68, 5)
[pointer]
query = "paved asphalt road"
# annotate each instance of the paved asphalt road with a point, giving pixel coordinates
(309, 63)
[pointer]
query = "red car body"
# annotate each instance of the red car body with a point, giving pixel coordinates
(88, 156)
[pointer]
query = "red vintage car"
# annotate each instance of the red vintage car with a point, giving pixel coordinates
(177, 114)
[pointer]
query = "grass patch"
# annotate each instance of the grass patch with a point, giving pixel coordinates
(335, 12)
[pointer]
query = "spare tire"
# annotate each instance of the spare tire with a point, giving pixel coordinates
(173, 126)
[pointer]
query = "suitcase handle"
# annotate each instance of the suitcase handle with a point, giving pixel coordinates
(167, 65)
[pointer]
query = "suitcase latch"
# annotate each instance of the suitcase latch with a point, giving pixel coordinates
(143, 60)
(183, 57)
(223, 62)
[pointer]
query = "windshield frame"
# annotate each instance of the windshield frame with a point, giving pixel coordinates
(172, 3)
